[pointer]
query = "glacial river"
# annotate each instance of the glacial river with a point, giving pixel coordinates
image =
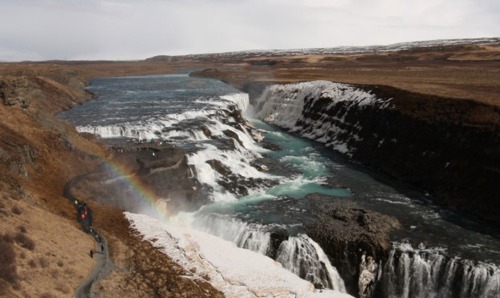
(435, 254)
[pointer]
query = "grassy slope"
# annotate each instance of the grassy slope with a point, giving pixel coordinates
(44, 252)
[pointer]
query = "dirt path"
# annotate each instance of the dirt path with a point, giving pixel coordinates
(104, 265)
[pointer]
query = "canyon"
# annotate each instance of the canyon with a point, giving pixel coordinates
(443, 114)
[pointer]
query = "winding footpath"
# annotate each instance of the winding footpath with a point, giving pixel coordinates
(104, 265)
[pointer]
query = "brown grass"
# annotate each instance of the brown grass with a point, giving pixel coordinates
(58, 242)
(22, 229)
(469, 72)
(8, 270)
(24, 241)
(16, 210)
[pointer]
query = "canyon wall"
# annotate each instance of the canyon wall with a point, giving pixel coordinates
(447, 147)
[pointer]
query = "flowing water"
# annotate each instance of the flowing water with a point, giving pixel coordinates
(450, 257)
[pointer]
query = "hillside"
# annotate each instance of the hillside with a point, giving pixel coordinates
(44, 251)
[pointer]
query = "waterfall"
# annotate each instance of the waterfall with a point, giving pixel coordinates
(422, 272)
(304, 257)
(299, 254)
(244, 235)
(317, 110)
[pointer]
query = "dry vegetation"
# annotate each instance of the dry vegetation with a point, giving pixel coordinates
(144, 271)
(467, 72)
(42, 253)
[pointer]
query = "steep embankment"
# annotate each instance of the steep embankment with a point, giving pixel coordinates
(44, 253)
(449, 147)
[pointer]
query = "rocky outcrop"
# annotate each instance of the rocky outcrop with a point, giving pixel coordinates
(41, 87)
(351, 236)
(449, 147)
(17, 91)
(355, 239)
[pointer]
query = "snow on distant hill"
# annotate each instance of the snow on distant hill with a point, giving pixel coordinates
(348, 49)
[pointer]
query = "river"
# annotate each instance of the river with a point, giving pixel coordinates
(435, 254)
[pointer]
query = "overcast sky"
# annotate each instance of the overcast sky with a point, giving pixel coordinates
(137, 29)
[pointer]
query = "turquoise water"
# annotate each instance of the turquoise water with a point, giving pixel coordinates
(300, 155)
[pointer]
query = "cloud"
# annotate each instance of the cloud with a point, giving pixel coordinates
(127, 29)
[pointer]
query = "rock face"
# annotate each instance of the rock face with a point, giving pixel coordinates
(356, 240)
(351, 237)
(449, 147)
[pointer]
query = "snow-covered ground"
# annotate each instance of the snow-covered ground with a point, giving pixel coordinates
(234, 271)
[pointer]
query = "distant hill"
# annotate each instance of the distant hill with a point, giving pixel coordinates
(495, 41)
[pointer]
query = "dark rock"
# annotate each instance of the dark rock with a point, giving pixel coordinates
(16, 92)
(219, 167)
(206, 131)
(160, 171)
(346, 233)
(270, 146)
(448, 147)
(277, 236)
(233, 135)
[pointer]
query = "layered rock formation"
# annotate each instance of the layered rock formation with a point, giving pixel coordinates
(449, 147)
(351, 237)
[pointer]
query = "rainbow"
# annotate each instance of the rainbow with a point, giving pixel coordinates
(142, 192)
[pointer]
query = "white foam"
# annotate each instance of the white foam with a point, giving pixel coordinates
(428, 272)
(234, 271)
(237, 161)
(290, 106)
(241, 100)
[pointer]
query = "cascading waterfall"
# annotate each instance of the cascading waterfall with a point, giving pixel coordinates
(245, 235)
(317, 111)
(311, 109)
(304, 257)
(220, 145)
(299, 254)
(421, 272)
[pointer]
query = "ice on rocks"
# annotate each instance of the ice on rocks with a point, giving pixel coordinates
(309, 109)
(234, 271)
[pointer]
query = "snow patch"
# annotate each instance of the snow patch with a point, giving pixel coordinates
(234, 271)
